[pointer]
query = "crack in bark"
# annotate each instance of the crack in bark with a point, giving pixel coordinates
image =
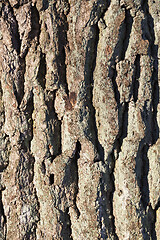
(76, 157)
(62, 28)
(23, 170)
(11, 22)
(99, 9)
(8, 16)
(36, 26)
(113, 75)
(153, 50)
(135, 78)
(3, 220)
(41, 76)
(128, 21)
(150, 35)
(69, 224)
(90, 63)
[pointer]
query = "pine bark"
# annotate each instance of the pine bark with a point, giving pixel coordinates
(79, 119)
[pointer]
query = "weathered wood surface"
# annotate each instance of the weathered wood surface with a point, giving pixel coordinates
(79, 119)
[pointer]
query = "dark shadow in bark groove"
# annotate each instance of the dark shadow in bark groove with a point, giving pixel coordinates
(45, 4)
(72, 175)
(20, 85)
(111, 160)
(62, 43)
(8, 16)
(91, 54)
(119, 52)
(155, 100)
(3, 219)
(141, 171)
(75, 159)
(51, 179)
(123, 126)
(66, 226)
(35, 20)
(153, 53)
(104, 210)
(18, 81)
(99, 9)
(90, 63)
(136, 75)
(148, 33)
(128, 21)
(112, 75)
(42, 71)
(43, 168)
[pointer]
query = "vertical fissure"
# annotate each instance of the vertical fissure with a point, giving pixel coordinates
(41, 76)
(76, 157)
(135, 78)
(112, 76)
(35, 24)
(128, 27)
(62, 28)
(3, 219)
(69, 224)
(153, 53)
(90, 63)
(8, 15)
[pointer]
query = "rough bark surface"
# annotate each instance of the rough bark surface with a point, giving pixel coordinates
(79, 119)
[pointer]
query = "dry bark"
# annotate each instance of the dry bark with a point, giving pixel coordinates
(80, 118)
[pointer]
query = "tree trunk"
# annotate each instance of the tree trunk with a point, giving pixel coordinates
(79, 119)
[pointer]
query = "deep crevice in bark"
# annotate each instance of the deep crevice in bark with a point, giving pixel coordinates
(62, 43)
(69, 224)
(128, 21)
(141, 171)
(148, 33)
(65, 223)
(155, 101)
(119, 52)
(43, 167)
(113, 75)
(51, 179)
(75, 159)
(136, 75)
(90, 63)
(105, 215)
(35, 20)
(45, 4)
(123, 126)
(3, 220)
(20, 75)
(42, 71)
(153, 51)
(8, 16)
(151, 223)
(99, 9)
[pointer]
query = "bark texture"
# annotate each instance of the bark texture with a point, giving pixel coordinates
(79, 119)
